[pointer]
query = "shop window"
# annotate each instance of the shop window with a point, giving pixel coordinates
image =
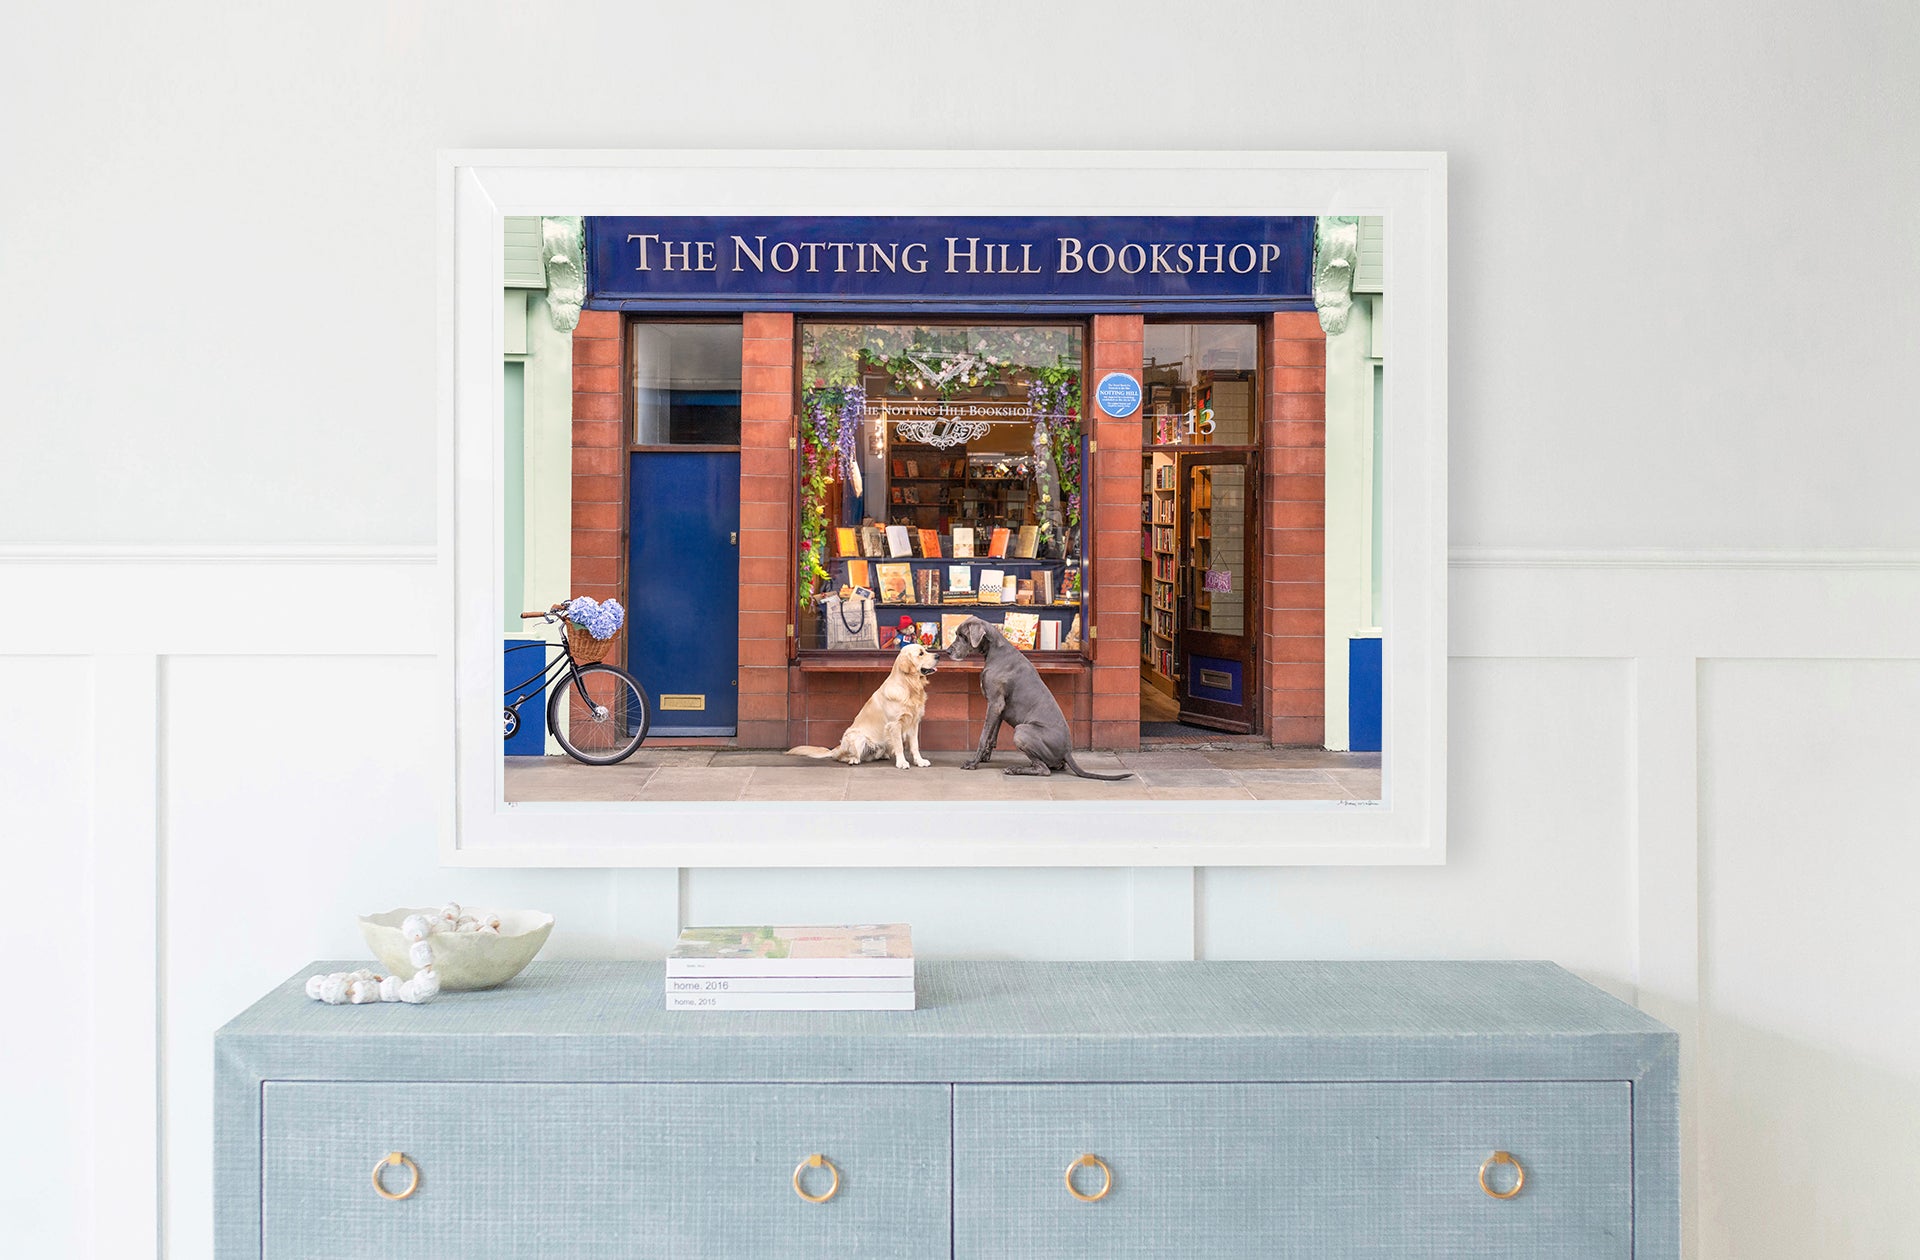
(1202, 383)
(940, 478)
(686, 384)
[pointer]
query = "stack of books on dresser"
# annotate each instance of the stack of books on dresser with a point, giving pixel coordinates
(862, 967)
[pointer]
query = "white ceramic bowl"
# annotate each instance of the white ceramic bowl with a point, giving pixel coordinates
(462, 960)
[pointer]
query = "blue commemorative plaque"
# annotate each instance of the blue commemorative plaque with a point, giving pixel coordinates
(1118, 395)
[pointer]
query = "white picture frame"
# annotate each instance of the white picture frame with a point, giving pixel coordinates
(479, 189)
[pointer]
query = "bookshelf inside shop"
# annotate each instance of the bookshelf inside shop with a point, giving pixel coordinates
(1035, 601)
(949, 533)
(1199, 610)
(1158, 515)
(928, 485)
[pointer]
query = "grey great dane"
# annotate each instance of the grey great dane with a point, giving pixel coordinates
(1016, 695)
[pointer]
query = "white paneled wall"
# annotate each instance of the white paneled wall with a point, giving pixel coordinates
(46, 805)
(1689, 779)
(1809, 1064)
(1539, 863)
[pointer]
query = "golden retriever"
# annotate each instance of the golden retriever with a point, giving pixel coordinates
(889, 723)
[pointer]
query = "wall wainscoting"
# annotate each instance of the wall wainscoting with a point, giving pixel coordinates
(250, 750)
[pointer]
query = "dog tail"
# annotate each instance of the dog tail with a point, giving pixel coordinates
(810, 750)
(1088, 774)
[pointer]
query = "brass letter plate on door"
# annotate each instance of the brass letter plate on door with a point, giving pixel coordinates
(1218, 679)
(683, 702)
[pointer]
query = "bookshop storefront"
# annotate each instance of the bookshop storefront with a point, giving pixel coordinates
(799, 443)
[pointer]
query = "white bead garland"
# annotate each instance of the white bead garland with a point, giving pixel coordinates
(363, 986)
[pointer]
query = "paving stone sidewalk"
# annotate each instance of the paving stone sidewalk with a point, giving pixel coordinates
(1222, 773)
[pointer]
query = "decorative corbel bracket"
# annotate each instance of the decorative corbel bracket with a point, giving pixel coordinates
(1336, 253)
(563, 247)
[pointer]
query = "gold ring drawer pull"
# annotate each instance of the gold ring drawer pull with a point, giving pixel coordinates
(1106, 1178)
(1519, 1175)
(394, 1159)
(816, 1161)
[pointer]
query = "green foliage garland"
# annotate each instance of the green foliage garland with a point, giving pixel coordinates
(824, 421)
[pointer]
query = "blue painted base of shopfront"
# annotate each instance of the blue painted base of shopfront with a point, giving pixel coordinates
(522, 661)
(1363, 694)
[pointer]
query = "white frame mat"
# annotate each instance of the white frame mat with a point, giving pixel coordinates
(479, 189)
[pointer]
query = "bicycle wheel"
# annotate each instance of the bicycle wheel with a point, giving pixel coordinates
(600, 717)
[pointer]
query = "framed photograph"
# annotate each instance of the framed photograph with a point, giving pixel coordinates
(1160, 395)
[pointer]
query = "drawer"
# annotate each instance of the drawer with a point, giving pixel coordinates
(572, 1171)
(1309, 1170)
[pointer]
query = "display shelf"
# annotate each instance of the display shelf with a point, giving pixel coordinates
(1055, 606)
(1158, 513)
(996, 562)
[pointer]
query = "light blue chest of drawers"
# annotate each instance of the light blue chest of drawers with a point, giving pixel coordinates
(1235, 1109)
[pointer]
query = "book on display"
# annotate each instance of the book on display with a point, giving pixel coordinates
(790, 1001)
(855, 967)
(789, 984)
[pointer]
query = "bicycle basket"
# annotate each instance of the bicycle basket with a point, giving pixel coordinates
(586, 649)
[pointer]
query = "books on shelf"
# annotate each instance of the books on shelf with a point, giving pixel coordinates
(859, 573)
(873, 541)
(963, 542)
(1022, 630)
(927, 586)
(930, 543)
(990, 580)
(861, 967)
(997, 543)
(896, 583)
(899, 541)
(1027, 545)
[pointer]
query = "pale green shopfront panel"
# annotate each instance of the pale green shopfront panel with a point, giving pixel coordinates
(525, 268)
(514, 515)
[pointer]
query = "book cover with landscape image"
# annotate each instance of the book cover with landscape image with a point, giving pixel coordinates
(869, 949)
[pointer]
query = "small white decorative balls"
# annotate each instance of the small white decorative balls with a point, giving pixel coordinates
(364, 986)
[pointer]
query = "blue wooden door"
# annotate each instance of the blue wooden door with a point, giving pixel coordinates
(683, 582)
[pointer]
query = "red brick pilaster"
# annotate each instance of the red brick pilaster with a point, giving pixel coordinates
(768, 718)
(599, 449)
(1112, 525)
(1293, 649)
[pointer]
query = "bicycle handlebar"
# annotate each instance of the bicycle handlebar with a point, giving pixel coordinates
(530, 616)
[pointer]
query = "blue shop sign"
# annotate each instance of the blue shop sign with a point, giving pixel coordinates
(1158, 263)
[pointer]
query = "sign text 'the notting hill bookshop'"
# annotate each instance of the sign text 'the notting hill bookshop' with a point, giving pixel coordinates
(1134, 263)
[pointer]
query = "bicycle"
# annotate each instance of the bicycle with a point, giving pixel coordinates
(596, 711)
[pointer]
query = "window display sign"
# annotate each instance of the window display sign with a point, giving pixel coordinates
(1139, 263)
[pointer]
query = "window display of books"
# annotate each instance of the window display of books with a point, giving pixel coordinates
(861, 967)
(927, 582)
